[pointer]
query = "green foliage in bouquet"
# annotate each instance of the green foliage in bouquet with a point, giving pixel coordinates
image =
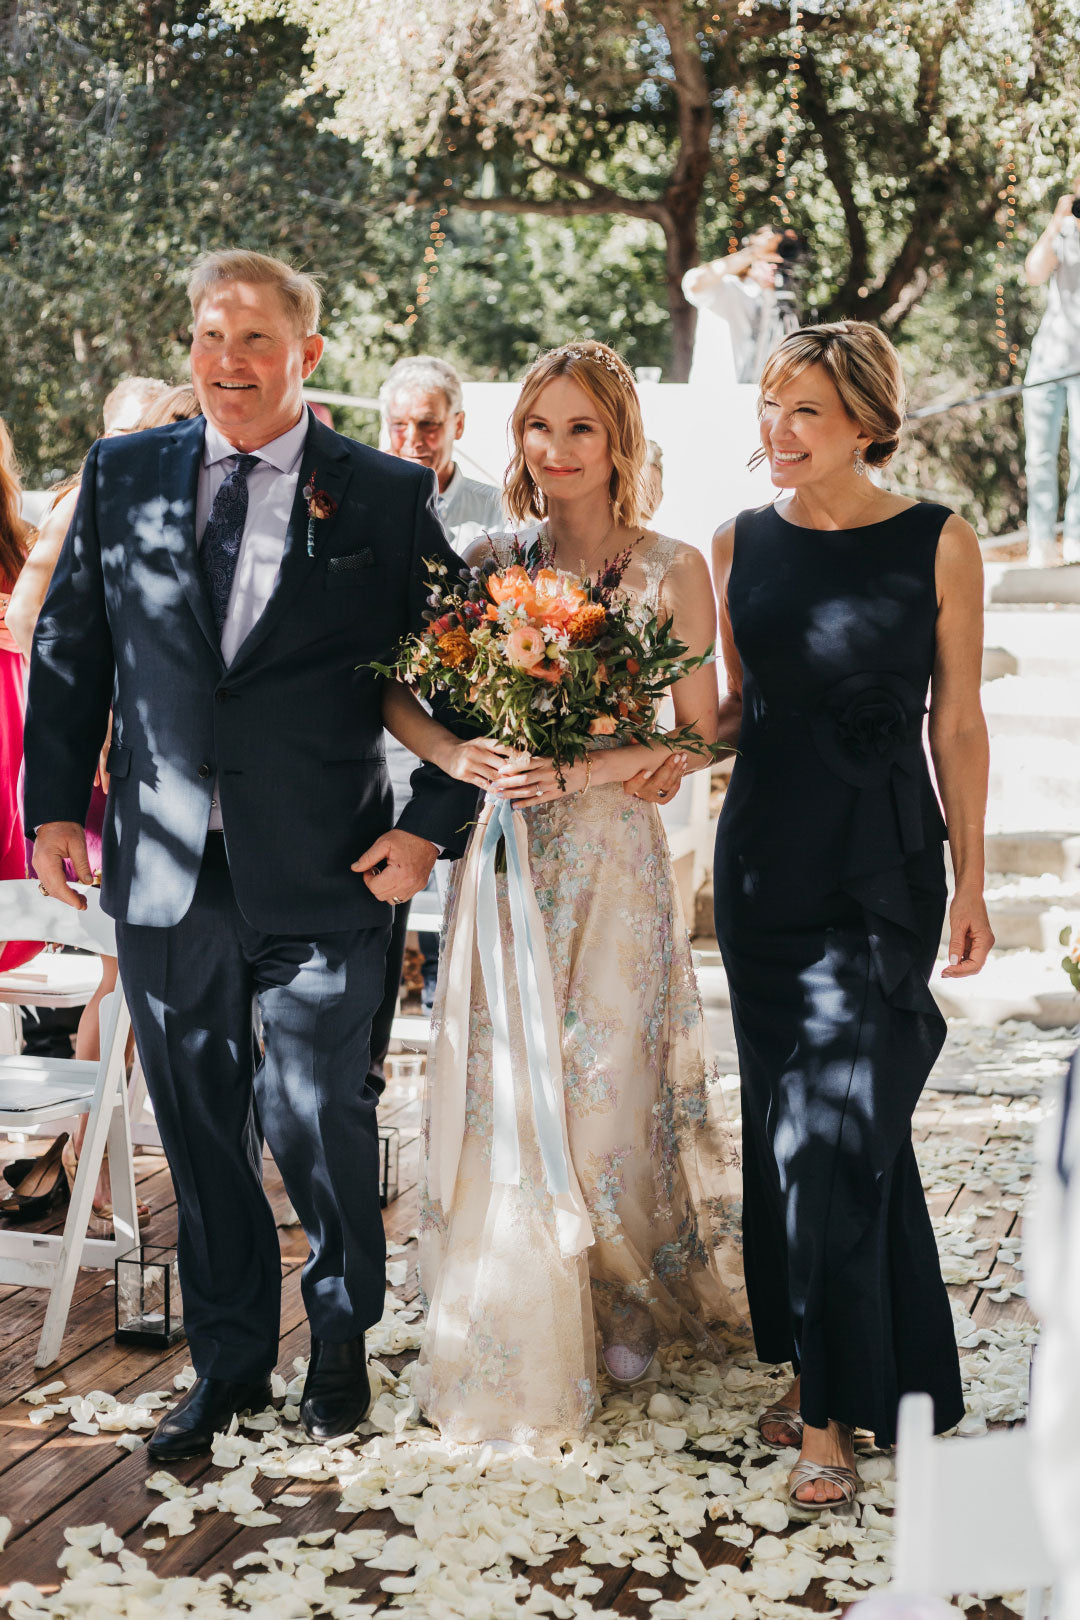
(1071, 962)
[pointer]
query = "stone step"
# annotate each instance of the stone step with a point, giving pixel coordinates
(1020, 986)
(1049, 585)
(998, 661)
(1033, 852)
(1034, 782)
(1028, 924)
(1028, 986)
(1034, 706)
(1040, 640)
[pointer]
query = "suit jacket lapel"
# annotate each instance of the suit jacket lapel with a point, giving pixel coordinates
(325, 459)
(181, 454)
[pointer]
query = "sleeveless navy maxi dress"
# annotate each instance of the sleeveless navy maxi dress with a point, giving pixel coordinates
(830, 897)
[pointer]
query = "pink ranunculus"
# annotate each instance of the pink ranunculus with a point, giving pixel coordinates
(525, 647)
(602, 726)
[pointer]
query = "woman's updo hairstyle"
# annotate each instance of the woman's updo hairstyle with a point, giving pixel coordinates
(609, 383)
(865, 369)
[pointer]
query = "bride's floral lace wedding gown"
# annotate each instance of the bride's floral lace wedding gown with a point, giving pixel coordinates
(515, 1326)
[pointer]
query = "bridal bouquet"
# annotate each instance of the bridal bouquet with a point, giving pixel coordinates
(544, 660)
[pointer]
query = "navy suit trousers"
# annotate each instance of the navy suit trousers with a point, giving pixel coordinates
(192, 989)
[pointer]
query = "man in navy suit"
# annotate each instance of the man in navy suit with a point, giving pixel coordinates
(224, 588)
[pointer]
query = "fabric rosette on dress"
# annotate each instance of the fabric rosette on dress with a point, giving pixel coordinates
(592, 1201)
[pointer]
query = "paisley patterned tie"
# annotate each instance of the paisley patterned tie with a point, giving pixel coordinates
(224, 531)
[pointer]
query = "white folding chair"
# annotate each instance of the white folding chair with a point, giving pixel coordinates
(47, 980)
(35, 1091)
(965, 1513)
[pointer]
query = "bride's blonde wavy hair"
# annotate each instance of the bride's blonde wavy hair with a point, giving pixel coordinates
(609, 383)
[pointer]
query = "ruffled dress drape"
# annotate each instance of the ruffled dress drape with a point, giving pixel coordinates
(830, 896)
(515, 1324)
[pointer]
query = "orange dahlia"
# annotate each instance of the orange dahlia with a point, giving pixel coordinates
(587, 624)
(456, 648)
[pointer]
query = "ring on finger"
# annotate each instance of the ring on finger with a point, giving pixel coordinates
(42, 889)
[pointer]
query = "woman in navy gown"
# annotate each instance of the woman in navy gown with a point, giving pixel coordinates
(841, 606)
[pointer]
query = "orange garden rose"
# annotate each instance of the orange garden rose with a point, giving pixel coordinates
(555, 599)
(602, 726)
(513, 585)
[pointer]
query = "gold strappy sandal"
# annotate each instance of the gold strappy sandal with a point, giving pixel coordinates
(806, 1472)
(784, 1417)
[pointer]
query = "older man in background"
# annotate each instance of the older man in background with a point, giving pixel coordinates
(424, 416)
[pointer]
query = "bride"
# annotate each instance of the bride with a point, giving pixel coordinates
(517, 1315)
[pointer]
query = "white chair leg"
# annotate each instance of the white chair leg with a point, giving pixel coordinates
(122, 1175)
(109, 1090)
(10, 1029)
(914, 1494)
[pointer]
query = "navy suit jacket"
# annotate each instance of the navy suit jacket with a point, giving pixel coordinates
(291, 730)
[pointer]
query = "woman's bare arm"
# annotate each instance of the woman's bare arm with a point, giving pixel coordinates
(730, 719)
(959, 743)
(32, 585)
(476, 760)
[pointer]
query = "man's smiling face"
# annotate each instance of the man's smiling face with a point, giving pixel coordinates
(249, 362)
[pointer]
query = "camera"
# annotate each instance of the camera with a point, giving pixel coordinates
(792, 247)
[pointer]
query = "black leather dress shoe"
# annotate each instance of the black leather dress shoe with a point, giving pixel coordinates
(207, 1409)
(336, 1391)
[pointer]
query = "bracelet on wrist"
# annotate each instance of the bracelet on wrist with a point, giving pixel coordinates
(588, 774)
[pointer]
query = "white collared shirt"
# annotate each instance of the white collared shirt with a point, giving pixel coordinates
(469, 509)
(271, 492)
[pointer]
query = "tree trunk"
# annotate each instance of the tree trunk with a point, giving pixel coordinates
(680, 255)
(685, 188)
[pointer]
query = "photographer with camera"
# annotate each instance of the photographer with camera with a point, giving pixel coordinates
(1055, 258)
(745, 305)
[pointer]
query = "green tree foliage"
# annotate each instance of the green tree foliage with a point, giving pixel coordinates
(882, 129)
(572, 158)
(137, 134)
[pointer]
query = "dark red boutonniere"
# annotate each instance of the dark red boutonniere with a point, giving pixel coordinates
(319, 505)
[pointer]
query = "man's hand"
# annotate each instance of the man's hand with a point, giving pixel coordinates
(55, 842)
(397, 865)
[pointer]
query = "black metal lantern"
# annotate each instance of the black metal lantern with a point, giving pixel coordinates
(149, 1309)
(389, 1145)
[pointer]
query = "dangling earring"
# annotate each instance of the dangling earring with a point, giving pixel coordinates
(859, 464)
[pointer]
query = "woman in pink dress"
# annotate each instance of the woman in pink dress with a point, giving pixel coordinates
(13, 537)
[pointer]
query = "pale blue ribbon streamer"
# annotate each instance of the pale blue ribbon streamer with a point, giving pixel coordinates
(546, 1097)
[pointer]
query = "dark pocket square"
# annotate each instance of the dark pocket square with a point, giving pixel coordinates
(350, 561)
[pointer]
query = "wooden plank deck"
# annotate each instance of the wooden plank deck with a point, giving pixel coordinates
(51, 1478)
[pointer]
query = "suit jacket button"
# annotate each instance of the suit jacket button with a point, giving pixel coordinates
(204, 770)
(223, 694)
